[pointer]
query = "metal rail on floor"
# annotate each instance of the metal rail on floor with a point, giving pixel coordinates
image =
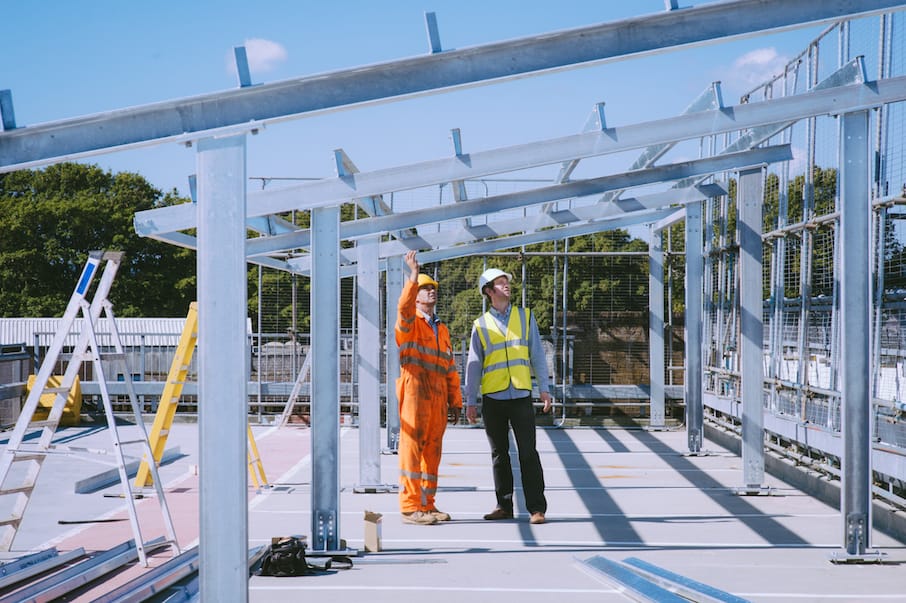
(155, 580)
(172, 575)
(41, 562)
(80, 574)
(643, 581)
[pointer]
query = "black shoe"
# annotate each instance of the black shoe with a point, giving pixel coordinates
(499, 513)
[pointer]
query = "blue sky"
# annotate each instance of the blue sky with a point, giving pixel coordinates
(65, 59)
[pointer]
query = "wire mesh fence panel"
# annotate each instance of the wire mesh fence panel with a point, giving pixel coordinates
(802, 275)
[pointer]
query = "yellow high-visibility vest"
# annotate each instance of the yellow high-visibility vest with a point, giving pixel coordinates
(506, 355)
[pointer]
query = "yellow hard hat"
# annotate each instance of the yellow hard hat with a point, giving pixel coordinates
(424, 279)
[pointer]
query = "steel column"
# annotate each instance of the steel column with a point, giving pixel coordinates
(855, 320)
(368, 366)
(222, 370)
(750, 198)
(394, 288)
(693, 379)
(325, 378)
(656, 328)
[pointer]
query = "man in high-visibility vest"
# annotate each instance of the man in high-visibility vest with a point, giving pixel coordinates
(504, 350)
(427, 389)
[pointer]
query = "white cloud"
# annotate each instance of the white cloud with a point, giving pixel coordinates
(754, 68)
(263, 56)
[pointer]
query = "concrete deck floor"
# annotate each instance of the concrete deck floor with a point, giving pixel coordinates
(612, 493)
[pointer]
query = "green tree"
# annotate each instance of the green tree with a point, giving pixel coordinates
(277, 286)
(623, 286)
(620, 285)
(822, 201)
(51, 219)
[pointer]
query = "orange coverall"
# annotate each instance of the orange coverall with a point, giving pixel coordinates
(428, 384)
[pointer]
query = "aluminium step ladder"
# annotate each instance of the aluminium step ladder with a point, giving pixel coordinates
(169, 402)
(27, 457)
(297, 389)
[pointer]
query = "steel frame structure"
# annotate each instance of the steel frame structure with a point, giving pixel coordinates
(218, 124)
(830, 367)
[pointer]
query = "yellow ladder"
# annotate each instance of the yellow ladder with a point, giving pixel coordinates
(256, 468)
(169, 401)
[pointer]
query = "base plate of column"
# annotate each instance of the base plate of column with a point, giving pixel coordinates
(752, 491)
(376, 488)
(866, 557)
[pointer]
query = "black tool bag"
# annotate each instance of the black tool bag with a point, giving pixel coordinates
(286, 557)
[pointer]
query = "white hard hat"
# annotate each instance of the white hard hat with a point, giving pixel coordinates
(489, 275)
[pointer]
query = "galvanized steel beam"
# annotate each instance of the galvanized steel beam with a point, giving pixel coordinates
(255, 106)
(571, 223)
(68, 580)
(595, 213)
(392, 248)
(852, 73)
(432, 215)
(369, 226)
(710, 99)
(556, 150)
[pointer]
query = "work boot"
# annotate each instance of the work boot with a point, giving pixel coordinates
(438, 514)
(537, 518)
(418, 518)
(499, 513)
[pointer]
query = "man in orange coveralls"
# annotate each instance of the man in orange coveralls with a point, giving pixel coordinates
(427, 388)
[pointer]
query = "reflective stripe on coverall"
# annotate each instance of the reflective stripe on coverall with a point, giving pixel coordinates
(427, 386)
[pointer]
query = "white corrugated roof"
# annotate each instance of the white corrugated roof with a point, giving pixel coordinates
(23, 330)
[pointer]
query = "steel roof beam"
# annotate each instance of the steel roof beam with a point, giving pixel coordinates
(252, 107)
(393, 248)
(670, 220)
(556, 150)
(641, 211)
(445, 246)
(462, 235)
(595, 121)
(852, 73)
(258, 248)
(709, 100)
(488, 245)
(488, 205)
(461, 243)
(573, 222)
(347, 169)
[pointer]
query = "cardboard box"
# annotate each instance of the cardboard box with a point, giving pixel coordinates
(372, 531)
